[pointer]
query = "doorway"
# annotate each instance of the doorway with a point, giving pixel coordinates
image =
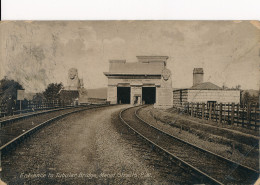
(123, 95)
(148, 95)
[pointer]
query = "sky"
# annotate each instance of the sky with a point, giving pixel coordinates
(36, 53)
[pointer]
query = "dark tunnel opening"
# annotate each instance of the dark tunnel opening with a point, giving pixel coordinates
(148, 95)
(123, 95)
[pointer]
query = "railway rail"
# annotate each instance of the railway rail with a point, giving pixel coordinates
(212, 168)
(20, 128)
(10, 119)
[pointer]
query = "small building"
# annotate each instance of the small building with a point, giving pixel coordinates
(204, 92)
(147, 81)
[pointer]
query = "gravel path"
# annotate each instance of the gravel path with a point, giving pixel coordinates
(83, 148)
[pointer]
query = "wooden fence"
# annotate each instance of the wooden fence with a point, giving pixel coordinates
(232, 114)
(29, 106)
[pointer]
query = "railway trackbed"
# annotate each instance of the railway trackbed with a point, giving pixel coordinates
(17, 130)
(8, 120)
(211, 168)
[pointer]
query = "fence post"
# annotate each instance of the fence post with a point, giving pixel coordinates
(243, 114)
(217, 112)
(197, 110)
(249, 115)
(232, 113)
(191, 109)
(214, 111)
(238, 106)
(228, 118)
(210, 110)
(220, 113)
(203, 111)
(256, 117)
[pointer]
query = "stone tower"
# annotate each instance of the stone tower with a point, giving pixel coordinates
(197, 76)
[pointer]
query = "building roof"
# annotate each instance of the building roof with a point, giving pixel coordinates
(137, 68)
(206, 86)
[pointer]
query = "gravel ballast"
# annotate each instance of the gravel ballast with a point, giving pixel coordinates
(83, 148)
(219, 144)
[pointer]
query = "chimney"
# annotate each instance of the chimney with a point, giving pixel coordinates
(197, 76)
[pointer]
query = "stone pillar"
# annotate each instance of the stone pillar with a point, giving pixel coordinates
(164, 98)
(164, 93)
(112, 94)
(135, 91)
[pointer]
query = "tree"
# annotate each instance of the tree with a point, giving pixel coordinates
(39, 97)
(238, 87)
(250, 98)
(246, 97)
(9, 88)
(52, 91)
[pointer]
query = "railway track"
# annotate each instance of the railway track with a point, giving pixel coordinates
(7, 120)
(19, 128)
(211, 168)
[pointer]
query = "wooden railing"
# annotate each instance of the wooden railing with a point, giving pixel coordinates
(30, 106)
(247, 115)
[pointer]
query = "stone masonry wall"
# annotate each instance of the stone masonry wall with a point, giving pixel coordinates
(220, 96)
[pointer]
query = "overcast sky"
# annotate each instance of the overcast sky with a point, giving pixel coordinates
(38, 53)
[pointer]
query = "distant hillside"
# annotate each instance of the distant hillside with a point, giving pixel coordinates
(100, 93)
